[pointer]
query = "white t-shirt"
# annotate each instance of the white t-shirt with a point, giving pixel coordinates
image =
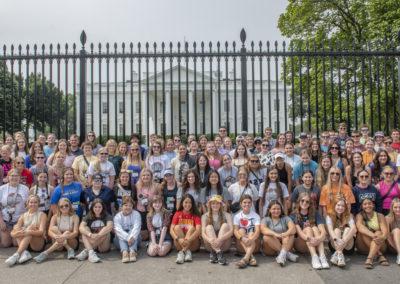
(247, 222)
(271, 194)
(329, 221)
(106, 170)
(12, 201)
(236, 191)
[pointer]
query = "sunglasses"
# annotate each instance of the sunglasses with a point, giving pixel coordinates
(334, 148)
(355, 136)
(104, 154)
(388, 174)
(254, 161)
(364, 176)
(39, 157)
(264, 145)
(335, 174)
(305, 201)
(64, 206)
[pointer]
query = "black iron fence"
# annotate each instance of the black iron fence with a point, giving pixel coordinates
(195, 88)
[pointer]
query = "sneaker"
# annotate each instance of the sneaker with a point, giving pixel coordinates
(213, 257)
(341, 261)
(70, 254)
(221, 258)
(125, 257)
(188, 256)
(253, 261)
(12, 259)
(93, 257)
(132, 256)
(281, 258)
(324, 262)
(83, 255)
(25, 256)
(398, 259)
(41, 257)
(180, 258)
(315, 263)
(334, 258)
(292, 257)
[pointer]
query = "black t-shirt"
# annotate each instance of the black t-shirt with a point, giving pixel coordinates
(170, 198)
(96, 224)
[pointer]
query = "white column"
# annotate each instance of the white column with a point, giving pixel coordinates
(192, 118)
(167, 112)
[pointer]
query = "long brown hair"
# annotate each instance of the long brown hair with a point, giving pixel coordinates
(267, 182)
(311, 209)
(153, 200)
(343, 219)
(221, 216)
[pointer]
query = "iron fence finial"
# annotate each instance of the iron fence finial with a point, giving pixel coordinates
(243, 36)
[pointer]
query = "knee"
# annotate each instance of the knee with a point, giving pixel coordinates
(151, 251)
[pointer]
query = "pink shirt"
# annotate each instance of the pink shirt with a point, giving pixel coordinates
(214, 163)
(383, 190)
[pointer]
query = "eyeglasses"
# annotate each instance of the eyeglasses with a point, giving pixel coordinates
(39, 157)
(64, 206)
(364, 129)
(20, 163)
(324, 137)
(103, 154)
(254, 161)
(364, 176)
(334, 148)
(335, 174)
(355, 136)
(264, 145)
(97, 180)
(305, 201)
(388, 174)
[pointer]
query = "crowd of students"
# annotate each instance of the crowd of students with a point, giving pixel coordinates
(335, 193)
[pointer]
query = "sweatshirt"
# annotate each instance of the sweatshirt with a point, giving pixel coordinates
(127, 226)
(361, 193)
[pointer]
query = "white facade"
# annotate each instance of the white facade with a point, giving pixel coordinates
(154, 123)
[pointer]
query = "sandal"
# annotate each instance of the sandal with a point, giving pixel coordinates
(242, 263)
(383, 261)
(252, 261)
(368, 263)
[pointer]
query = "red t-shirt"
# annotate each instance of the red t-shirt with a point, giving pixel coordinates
(396, 147)
(184, 220)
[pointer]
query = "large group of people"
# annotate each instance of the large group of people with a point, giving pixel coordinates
(282, 197)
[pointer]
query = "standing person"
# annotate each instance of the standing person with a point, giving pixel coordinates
(381, 160)
(257, 173)
(135, 139)
(103, 167)
(227, 146)
(393, 221)
(57, 168)
(169, 150)
(388, 147)
(290, 157)
(158, 222)
(95, 229)
(91, 137)
(156, 161)
(12, 200)
(36, 147)
(214, 157)
(315, 150)
(369, 152)
(334, 190)
(191, 185)
(357, 146)
(82, 162)
(266, 157)
(127, 225)
(99, 191)
(40, 167)
(124, 187)
(364, 189)
(169, 191)
(216, 229)
(5, 161)
(26, 175)
(70, 189)
(356, 165)
(342, 232)
(378, 137)
(202, 169)
(74, 145)
(364, 134)
(322, 173)
(257, 146)
(182, 163)
(227, 172)
(62, 147)
(388, 188)
(63, 231)
(308, 186)
(134, 163)
(122, 150)
(273, 189)
(303, 143)
(278, 232)
(310, 228)
(51, 145)
(306, 164)
(113, 156)
(268, 137)
(342, 137)
(186, 229)
(44, 191)
(336, 157)
(285, 171)
(203, 143)
(246, 228)
(280, 144)
(289, 136)
(324, 145)
(194, 150)
(21, 148)
(395, 135)
(28, 232)
(214, 187)
(372, 234)
(240, 188)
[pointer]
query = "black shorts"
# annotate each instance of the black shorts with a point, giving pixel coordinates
(143, 215)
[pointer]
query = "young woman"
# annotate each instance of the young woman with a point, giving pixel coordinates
(169, 191)
(214, 158)
(12, 204)
(342, 231)
(290, 157)
(29, 232)
(336, 156)
(51, 145)
(227, 146)
(315, 150)
(203, 143)
(21, 148)
(95, 228)
(169, 150)
(348, 149)
(103, 167)
(202, 169)
(134, 163)
(6, 161)
(146, 189)
(280, 144)
(240, 188)
(63, 230)
(35, 148)
(227, 172)
(273, 189)
(307, 186)
(306, 164)
(62, 147)
(43, 190)
(285, 171)
(124, 187)
(381, 160)
(185, 229)
(216, 229)
(182, 163)
(356, 165)
(158, 222)
(122, 150)
(388, 188)
(193, 150)
(26, 175)
(127, 225)
(334, 190)
(322, 173)
(393, 221)
(113, 156)
(257, 173)
(82, 162)
(91, 137)
(372, 234)
(191, 185)
(246, 228)
(364, 189)
(156, 161)
(240, 156)
(57, 168)
(213, 188)
(369, 153)
(69, 189)
(310, 228)
(278, 232)
(40, 167)
(99, 191)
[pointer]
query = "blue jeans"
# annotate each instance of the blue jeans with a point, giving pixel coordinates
(122, 245)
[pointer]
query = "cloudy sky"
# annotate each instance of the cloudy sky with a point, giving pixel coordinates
(60, 21)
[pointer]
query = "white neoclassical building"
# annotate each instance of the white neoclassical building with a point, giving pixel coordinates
(111, 115)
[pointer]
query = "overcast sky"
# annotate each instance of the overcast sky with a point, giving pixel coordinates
(61, 21)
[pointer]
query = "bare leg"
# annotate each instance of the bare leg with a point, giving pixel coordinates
(271, 245)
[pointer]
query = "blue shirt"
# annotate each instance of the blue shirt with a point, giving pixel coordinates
(300, 168)
(106, 195)
(73, 192)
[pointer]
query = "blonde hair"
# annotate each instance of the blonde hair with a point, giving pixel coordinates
(71, 211)
(111, 142)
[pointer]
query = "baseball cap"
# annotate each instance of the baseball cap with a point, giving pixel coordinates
(258, 140)
(279, 155)
(168, 172)
(303, 135)
(97, 177)
(379, 133)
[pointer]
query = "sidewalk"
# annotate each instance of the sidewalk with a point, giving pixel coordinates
(164, 270)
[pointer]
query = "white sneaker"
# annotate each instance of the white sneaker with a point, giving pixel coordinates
(398, 259)
(315, 262)
(281, 258)
(71, 254)
(180, 258)
(324, 262)
(334, 258)
(188, 256)
(93, 257)
(41, 257)
(83, 255)
(292, 257)
(12, 259)
(341, 261)
(25, 256)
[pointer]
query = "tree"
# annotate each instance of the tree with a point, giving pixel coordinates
(354, 87)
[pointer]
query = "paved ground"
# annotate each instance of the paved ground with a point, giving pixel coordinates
(164, 270)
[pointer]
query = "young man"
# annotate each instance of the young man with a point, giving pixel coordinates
(325, 141)
(74, 145)
(341, 139)
(303, 143)
(364, 133)
(51, 145)
(395, 140)
(356, 136)
(223, 132)
(268, 137)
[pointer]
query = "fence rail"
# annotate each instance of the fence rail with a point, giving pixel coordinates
(195, 88)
